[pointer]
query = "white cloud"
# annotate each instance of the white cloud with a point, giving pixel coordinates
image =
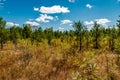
(89, 22)
(36, 9)
(44, 18)
(11, 24)
(89, 6)
(54, 9)
(32, 23)
(61, 28)
(70, 24)
(102, 21)
(71, 0)
(66, 22)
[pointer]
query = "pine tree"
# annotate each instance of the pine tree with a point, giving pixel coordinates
(87, 36)
(118, 25)
(37, 35)
(27, 31)
(3, 32)
(14, 35)
(112, 36)
(49, 34)
(79, 27)
(96, 34)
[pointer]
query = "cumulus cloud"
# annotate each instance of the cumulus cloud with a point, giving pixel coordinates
(11, 24)
(89, 6)
(61, 28)
(36, 9)
(71, 0)
(44, 18)
(102, 21)
(89, 22)
(66, 22)
(54, 9)
(70, 24)
(32, 23)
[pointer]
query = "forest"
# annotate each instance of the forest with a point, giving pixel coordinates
(32, 53)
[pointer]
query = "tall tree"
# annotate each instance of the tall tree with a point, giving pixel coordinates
(112, 36)
(27, 31)
(37, 35)
(14, 35)
(3, 32)
(49, 34)
(87, 36)
(79, 27)
(96, 34)
(118, 25)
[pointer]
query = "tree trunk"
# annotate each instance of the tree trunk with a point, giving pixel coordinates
(96, 44)
(80, 43)
(96, 41)
(112, 45)
(1, 44)
(87, 43)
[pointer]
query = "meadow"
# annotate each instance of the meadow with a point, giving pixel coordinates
(81, 54)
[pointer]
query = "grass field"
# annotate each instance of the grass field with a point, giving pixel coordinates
(40, 61)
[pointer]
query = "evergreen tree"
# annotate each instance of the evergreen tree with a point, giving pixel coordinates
(112, 37)
(79, 27)
(96, 34)
(49, 34)
(118, 25)
(38, 35)
(3, 32)
(27, 31)
(14, 35)
(87, 37)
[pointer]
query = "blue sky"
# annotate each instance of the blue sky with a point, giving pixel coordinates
(59, 14)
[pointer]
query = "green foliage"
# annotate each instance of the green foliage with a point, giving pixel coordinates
(3, 32)
(85, 39)
(79, 32)
(60, 55)
(49, 34)
(27, 31)
(38, 35)
(14, 34)
(96, 34)
(118, 25)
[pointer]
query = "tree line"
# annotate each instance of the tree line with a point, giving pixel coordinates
(84, 37)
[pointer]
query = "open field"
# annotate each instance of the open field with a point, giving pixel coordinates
(59, 39)
(44, 62)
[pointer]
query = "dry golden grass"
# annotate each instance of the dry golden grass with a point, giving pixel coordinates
(41, 61)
